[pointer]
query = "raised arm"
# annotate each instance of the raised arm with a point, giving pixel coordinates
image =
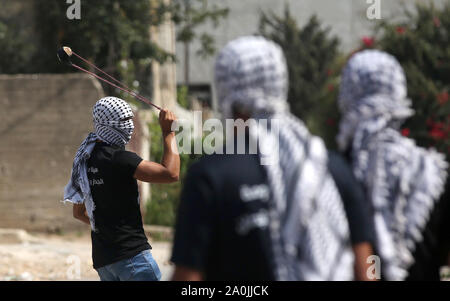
(169, 169)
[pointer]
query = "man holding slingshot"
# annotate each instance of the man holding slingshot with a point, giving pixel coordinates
(104, 191)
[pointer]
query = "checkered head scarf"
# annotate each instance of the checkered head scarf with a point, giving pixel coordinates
(307, 223)
(113, 124)
(403, 181)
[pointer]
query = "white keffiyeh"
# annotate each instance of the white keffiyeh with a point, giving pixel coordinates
(308, 225)
(113, 125)
(403, 181)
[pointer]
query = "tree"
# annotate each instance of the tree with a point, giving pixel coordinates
(113, 34)
(188, 15)
(16, 52)
(312, 56)
(421, 45)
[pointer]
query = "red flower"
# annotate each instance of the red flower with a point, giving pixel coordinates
(329, 72)
(436, 22)
(438, 125)
(330, 87)
(400, 30)
(331, 121)
(437, 132)
(442, 97)
(368, 41)
(405, 132)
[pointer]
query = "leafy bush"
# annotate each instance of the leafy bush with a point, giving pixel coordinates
(113, 34)
(16, 51)
(162, 207)
(421, 43)
(183, 97)
(313, 64)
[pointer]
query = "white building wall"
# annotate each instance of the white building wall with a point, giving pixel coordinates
(347, 19)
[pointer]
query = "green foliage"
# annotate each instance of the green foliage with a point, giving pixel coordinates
(16, 51)
(161, 209)
(183, 96)
(113, 34)
(312, 59)
(188, 15)
(421, 43)
(108, 31)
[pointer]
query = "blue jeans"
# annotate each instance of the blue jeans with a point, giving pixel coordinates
(141, 267)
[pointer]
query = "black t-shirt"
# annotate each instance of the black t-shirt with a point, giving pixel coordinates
(119, 230)
(222, 220)
(357, 207)
(220, 226)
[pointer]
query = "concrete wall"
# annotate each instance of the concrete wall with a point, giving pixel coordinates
(347, 19)
(44, 118)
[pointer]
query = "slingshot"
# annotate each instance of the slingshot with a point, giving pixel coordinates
(64, 55)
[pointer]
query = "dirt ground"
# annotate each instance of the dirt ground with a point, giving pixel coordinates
(44, 257)
(61, 258)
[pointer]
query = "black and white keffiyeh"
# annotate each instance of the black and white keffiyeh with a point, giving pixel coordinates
(403, 181)
(113, 124)
(308, 225)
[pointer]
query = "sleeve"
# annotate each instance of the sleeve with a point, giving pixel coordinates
(357, 207)
(126, 162)
(195, 221)
(444, 227)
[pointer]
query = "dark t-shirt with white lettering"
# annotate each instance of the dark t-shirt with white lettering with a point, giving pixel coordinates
(222, 219)
(222, 223)
(119, 230)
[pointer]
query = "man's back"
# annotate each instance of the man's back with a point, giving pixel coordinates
(223, 218)
(119, 232)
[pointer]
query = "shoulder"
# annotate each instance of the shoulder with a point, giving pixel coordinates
(223, 164)
(205, 165)
(335, 157)
(216, 170)
(337, 162)
(398, 150)
(121, 154)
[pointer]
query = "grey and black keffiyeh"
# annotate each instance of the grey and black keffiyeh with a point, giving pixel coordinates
(113, 125)
(403, 181)
(308, 225)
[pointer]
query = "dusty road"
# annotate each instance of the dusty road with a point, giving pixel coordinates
(61, 258)
(65, 257)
